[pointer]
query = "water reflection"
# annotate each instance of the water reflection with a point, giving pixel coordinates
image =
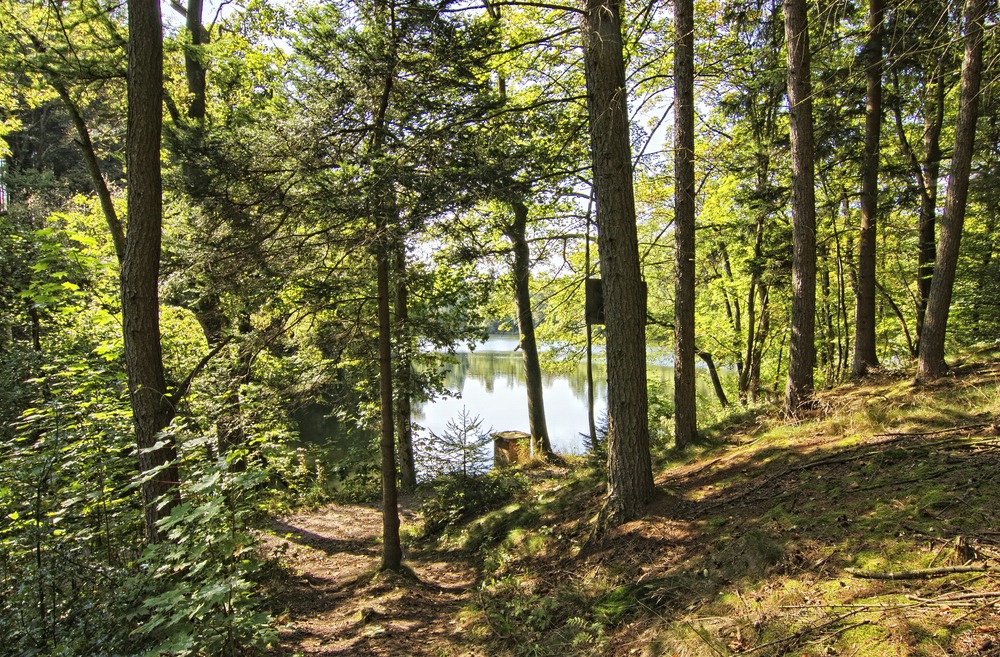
(490, 381)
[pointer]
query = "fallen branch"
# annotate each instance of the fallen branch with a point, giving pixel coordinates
(926, 573)
(951, 597)
(965, 427)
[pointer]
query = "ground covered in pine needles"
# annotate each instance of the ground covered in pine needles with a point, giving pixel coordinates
(869, 527)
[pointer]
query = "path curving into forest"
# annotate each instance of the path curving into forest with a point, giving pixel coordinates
(336, 603)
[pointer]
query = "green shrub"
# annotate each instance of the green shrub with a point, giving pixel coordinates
(205, 599)
(458, 497)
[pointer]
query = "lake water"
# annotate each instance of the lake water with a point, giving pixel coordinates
(490, 383)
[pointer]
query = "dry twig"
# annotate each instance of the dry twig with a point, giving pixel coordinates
(926, 573)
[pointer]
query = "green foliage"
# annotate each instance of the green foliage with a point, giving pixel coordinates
(204, 577)
(68, 542)
(530, 622)
(661, 414)
(457, 497)
(460, 450)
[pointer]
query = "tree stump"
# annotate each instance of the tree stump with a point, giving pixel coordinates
(510, 448)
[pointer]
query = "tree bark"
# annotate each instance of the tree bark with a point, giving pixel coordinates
(747, 388)
(802, 348)
(865, 356)
(685, 415)
(931, 363)
(713, 372)
(194, 67)
(929, 174)
(151, 411)
(630, 476)
(392, 554)
(404, 374)
(516, 232)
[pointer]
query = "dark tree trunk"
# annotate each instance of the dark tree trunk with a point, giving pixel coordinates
(392, 554)
(865, 356)
(516, 232)
(929, 174)
(383, 208)
(404, 374)
(763, 330)
(685, 415)
(591, 423)
(802, 348)
(713, 372)
(747, 390)
(827, 362)
(931, 362)
(140, 267)
(630, 476)
(194, 67)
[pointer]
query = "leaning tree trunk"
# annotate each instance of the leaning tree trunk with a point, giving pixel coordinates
(865, 356)
(931, 362)
(802, 348)
(516, 232)
(140, 267)
(630, 475)
(685, 415)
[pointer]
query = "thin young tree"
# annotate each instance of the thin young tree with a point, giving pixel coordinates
(931, 363)
(685, 415)
(802, 349)
(630, 476)
(516, 232)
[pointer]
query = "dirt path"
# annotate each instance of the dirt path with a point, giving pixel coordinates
(336, 603)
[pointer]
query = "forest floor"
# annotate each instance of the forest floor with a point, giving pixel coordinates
(337, 604)
(871, 527)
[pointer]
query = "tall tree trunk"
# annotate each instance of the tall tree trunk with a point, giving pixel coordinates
(630, 475)
(404, 373)
(140, 267)
(865, 356)
(383, 207)
(747, 391)
(591, 423)
(685, 415)
(392, 554)
(827, 362)
(929, 174)
(763, 329)
(802, 348)
(931, 362)
(517, 233)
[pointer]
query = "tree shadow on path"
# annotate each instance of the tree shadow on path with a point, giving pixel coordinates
(337, 603)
